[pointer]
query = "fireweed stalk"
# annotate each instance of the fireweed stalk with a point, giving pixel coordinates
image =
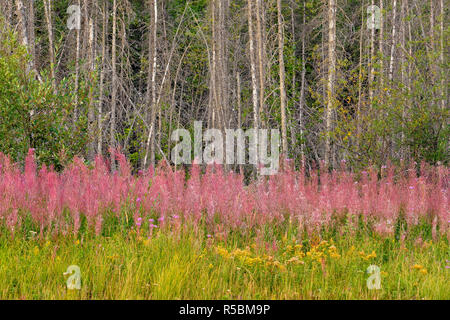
(59, 202)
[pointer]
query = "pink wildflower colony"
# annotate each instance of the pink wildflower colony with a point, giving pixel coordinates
(166, 197)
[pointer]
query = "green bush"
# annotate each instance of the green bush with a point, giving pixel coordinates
(31, 115)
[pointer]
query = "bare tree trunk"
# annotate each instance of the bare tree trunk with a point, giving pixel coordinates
(432, 24)
(21, 20)
(391, 64)
(360, 76)
(303, 84)
(223, 11)
(154, 104)
(381, 49)
(213, 80)
(372, 57)
(32, 34)
(102, 80)
(91, 112)
(112, 139)
(51, 50)
(331, 75)
(8, 10)
(252, 65)
(282, 80)
(259, 38)
(23, 29)
(441, 58)
(152, 84)
(403, 74)
(253, 70)
(238, 98)
(77, 72)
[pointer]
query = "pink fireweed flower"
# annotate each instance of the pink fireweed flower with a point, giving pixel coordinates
(91, 193)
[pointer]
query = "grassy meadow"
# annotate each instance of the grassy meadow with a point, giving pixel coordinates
(190, 264)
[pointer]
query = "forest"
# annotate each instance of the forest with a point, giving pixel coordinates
(363, 82)
(94, 204)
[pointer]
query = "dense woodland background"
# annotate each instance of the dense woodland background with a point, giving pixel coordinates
(137, 70)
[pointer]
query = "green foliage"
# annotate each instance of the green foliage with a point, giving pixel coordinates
(31, 115)
(186, 264)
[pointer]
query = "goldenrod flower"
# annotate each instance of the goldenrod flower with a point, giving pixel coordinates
(335, 255)
(372, 255)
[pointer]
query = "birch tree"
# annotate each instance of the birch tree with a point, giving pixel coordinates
(331, 76)
(282, 79)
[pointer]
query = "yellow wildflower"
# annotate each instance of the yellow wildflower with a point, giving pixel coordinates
(335, 255)
(257, 260)
(222, 252)
(295, 260)
(372, 255)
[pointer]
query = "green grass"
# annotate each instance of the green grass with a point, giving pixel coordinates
(188, 265)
